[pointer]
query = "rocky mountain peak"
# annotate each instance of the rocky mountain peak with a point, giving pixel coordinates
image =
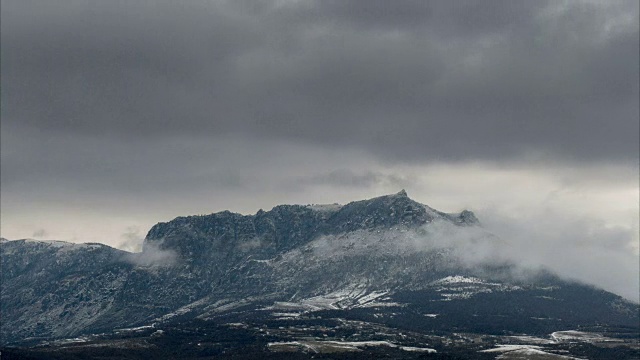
(286, 226)
(467, 217)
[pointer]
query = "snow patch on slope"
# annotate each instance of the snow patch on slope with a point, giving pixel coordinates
(580, 336)
(332, 346)
(346, 298)
(462, 287)
(524, 352)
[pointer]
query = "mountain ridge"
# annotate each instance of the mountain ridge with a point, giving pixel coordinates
(382, 211)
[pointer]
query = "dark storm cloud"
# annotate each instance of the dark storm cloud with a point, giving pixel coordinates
(66, 167)
(405, 80)
(456, 19)
(349, 178)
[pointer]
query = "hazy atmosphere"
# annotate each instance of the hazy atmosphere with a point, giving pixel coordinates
(119, 115)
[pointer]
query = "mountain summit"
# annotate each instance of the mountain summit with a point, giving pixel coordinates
(385, 262)
(286, 226)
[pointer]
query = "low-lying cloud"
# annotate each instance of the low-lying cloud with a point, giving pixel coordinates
(581, 249)
(39, 234)
(132, 240)
(152, 255)
(145, 254)
(575, 249)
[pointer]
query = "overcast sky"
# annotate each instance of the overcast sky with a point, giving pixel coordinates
(120, 114)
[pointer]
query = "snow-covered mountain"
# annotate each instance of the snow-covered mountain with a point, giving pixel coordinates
(385, 260)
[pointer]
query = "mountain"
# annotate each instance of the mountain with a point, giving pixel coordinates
(382, 275)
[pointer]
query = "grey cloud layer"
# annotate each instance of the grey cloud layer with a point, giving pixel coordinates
(405, 80)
